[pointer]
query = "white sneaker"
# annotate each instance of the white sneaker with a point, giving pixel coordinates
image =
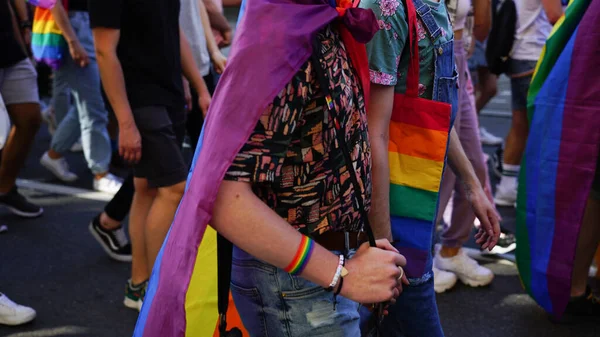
(77, 147)
(50, 118)
(466, 269)
(443, 280)
(59, 167)
(505, 196)
(13, 314)
(487, 138)
(108, 184)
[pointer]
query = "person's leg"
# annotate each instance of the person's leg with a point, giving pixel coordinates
(589, 238)
(106, 227)
(20, 94)
(506, 191)
(415, 312)
(487, 87)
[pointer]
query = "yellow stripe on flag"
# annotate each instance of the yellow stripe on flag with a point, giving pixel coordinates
(415, 172)
(43, 27)
(418, 142)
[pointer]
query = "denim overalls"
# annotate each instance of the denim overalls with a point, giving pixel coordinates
(415, 312)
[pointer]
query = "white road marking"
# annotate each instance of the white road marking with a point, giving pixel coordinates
(66, 190)
(496, 113)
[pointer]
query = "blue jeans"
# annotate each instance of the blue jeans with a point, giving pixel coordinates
(274, 303)
(88, 117)
(415, 313)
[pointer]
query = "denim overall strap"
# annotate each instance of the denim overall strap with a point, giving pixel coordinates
(424, 13)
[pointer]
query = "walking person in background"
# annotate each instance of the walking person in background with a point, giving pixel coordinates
(79, 72)
(534, 23)
(142, 54)
(18, 87)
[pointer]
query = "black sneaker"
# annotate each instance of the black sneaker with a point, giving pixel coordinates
(19, 205)
(114, 242)
(506, 244)
(583, 307)
(497, 159)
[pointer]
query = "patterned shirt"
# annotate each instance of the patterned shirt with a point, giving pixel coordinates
(388, 57)
(292, 158)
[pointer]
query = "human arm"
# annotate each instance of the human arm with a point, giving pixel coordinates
(219, 22)
(25, 23)
(482, 12)
(379, 116)
(553, 9)
(218, 59)
(61, 18)
(16, 33)
(246, 221)
(483, 209)
(192, 74)
(113, 81)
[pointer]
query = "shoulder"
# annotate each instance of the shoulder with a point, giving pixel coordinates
(391, 11)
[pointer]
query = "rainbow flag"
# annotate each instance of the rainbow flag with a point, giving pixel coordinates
(46, 4)
(560, 157)
(47, 42)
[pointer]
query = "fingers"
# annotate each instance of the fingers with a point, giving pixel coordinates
(385, 245)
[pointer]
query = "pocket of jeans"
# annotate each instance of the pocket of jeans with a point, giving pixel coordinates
(448, 92)
(302, 289)
(250, 306)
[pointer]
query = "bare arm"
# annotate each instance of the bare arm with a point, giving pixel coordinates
(553, 9)
(16, 33)
(191, 72)
(215, 53)
(77, 52)
(113, 81)
(246, 221)
(483, 209)
(217, 19)
(483, 19)
(379, 116)
(21, 8)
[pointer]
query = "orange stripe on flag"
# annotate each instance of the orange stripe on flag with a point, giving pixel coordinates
(418, 142)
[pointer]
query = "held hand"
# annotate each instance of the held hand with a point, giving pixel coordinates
(204, 102)
(78, 53)
(130, 144)
(227, 38)
(489, 232)
(374, 274)
(219, 62)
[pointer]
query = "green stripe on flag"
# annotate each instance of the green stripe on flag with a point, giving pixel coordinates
(413, 203)
(48, 39)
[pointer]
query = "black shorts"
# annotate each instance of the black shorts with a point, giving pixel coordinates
(162, 130)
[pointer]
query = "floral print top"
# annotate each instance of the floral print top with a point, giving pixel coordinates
(292, 158)
(388, 57)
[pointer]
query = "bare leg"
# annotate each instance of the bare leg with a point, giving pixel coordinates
(26, 119)
(488, 87)
(517, 138)
(143, 199)
(160, 218)
(589, 237)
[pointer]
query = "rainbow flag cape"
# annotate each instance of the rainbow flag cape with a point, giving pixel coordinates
(47, 42)
(256, 57)
(560, 157)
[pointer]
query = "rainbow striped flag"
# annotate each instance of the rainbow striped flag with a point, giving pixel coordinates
(560, 157)
(46, 4)
(417, 153)
(47, 42)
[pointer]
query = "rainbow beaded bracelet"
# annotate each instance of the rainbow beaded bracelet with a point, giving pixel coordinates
(302, 256)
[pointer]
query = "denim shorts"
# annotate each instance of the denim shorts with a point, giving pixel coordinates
(477, 60)
(18, 83)
(274, 303)
(521, 72)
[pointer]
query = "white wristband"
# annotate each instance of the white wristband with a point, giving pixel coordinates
(338, 273)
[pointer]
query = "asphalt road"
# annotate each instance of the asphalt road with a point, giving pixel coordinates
(54, 265)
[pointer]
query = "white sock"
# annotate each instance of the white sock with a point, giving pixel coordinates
(510, 170)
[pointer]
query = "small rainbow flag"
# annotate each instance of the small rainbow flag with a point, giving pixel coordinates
(417, 155)
(47, 42)
(560, 157)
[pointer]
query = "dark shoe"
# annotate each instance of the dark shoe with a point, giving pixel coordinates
(19, 205)
(587, 305)
(134, 295)
(114, 242)
(497, 159)
(506, 244)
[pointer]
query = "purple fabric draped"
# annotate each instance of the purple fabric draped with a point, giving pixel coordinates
(271, 44)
